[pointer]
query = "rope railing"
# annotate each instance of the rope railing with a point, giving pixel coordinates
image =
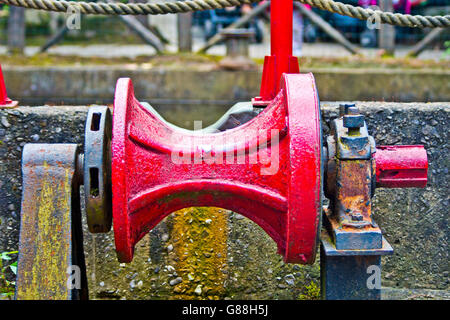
(156, 8)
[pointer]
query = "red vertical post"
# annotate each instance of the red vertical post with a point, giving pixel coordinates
(5, 102)
(3, 95)
(281, 34)
(281, 60)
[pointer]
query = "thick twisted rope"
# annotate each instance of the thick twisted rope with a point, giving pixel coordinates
(114, 8)
(398, 19)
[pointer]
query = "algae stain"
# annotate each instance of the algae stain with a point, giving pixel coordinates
(51, 241)
(200, 252)
(311, 292)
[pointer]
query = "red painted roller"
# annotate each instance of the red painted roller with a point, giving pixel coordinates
(158, 169)
(401, 166)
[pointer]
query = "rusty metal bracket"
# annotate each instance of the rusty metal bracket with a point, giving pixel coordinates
(51, 262)
(352, 243)
(350, 182)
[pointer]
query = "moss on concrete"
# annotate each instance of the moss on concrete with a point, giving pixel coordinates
(199, 237)
(200, 61)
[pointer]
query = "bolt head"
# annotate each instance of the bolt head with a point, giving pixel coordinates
(353, 121)
(357, 216)
(353, 110)
(344, 108)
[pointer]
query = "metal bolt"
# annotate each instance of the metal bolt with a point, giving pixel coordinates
(352, 119)
(352, 110)
(344, 108)
(357, 216)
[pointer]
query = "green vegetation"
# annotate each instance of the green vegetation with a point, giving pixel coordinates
(383, 62)
(166, 60)
(311, 292)
(192, 60)
(6, 286)
(447, 49)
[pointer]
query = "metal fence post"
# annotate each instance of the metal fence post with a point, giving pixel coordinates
(386, 36)
(184, 26)
(16, 29)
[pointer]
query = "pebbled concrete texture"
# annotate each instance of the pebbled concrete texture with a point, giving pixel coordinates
(415, 221)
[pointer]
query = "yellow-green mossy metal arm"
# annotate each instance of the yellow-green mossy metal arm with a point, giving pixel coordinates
(51, 261)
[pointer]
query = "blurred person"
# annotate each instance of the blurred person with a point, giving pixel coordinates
(367, 3)
(216, 20)
(368, 37)
(297, 31)
(404, 6)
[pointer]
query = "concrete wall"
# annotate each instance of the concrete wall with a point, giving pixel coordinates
(95, 84)
(230, 256)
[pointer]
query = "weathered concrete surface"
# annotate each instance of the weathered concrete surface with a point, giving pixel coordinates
(95, 84)
(414, 294)
(414, 221)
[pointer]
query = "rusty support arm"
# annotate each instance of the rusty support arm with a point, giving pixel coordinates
(51, 262)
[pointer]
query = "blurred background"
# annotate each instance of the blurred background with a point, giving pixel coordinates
(32, 31)
(195, 66)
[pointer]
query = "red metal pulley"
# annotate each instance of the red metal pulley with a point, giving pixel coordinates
(268, 169)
